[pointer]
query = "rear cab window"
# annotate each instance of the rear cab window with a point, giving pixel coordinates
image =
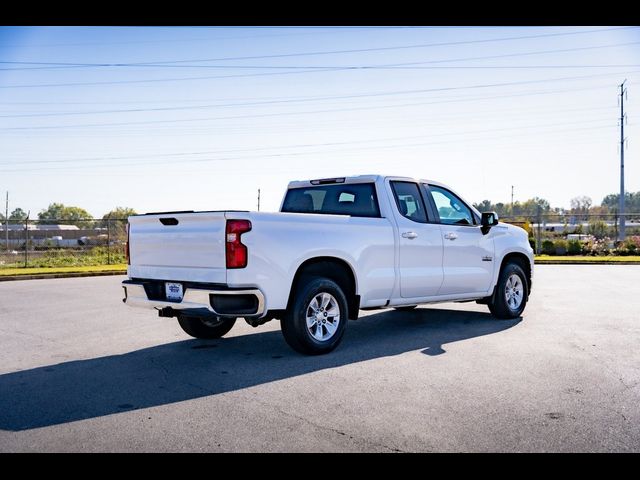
(409, 201)
(355, 199)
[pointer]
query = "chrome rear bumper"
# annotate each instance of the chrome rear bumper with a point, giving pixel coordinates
(135, 295)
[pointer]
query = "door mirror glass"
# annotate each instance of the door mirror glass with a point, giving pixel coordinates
(489, 219)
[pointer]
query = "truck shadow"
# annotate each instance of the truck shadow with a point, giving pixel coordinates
(178, 371)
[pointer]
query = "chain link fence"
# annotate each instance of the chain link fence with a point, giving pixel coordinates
(582, 233)
(61, 243)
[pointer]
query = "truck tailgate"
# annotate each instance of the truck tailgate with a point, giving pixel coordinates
(178, 246)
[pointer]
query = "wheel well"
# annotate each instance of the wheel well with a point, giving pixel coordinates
(335, 269)
(521, 260)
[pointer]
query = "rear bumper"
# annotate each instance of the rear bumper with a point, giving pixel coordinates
(198, 298)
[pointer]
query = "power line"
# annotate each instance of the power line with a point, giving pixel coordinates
(278, 147)
(207, 130)
(206, 106)
(456, 133)
(372, 67)
(332, 52)
(277, 114)
(210, 77)
(199, 39)
(157, 80)
(245, 101)
(297, 70)
(271, 168)
(407, 65)
(371, 107)
(170, 130)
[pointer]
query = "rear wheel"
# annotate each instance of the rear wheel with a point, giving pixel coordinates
(511, 293)
(206, 327)
(317, 319)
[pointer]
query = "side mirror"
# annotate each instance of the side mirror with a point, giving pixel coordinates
(489, 219)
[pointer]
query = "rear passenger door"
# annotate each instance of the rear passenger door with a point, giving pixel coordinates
(420, 242)
(468, 254)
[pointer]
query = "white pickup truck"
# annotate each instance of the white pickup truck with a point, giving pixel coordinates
(337, 246)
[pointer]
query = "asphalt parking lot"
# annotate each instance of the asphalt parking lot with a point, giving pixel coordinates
(79, 371)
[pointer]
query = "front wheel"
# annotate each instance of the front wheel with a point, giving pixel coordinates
(206, 328)
(317, 318)
(511, 293)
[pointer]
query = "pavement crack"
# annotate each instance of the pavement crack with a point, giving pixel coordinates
(608, 405)
(330, 429)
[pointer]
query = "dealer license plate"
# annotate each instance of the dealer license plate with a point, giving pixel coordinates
(173, 291)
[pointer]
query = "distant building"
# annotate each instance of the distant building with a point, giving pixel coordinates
(40, 227)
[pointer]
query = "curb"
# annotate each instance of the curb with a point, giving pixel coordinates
(42, 276)
(552, 262)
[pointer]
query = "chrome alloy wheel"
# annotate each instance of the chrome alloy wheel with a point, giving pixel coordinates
(323, 316)
(514, 291)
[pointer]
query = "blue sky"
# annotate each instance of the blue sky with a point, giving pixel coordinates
(174, 118)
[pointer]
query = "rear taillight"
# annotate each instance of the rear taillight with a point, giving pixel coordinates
(126, 247)
(236, 251)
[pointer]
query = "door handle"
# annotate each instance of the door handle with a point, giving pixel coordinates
(409, 235)
(450, 236)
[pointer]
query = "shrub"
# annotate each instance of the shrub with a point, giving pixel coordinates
(548, 247)
(598, 228)
(561, 247)
(632, 245)
(574, 247)
(599, 247)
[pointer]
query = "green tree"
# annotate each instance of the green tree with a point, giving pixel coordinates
(53, 212)
(59, 212)
(631, 202)
(75, 213)
(500, 209)
(120, 212)
(118, 221)
(484, 206)
(18, 214)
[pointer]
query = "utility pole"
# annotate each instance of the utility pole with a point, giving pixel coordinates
(6, 221)
(623, 92)
(511, 200)
(258, 199)
(539, 236)
(26, 239)
(109, 239)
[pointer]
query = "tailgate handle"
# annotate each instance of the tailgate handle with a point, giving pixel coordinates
(169, 221)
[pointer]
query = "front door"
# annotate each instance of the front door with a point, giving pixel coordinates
(468, 261)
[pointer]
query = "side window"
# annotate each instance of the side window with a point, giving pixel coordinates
(451, 209)
(409, 201)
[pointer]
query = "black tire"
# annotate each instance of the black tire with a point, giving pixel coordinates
(200, 327)
(294, 323)
(406, 309)
(498, 304)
